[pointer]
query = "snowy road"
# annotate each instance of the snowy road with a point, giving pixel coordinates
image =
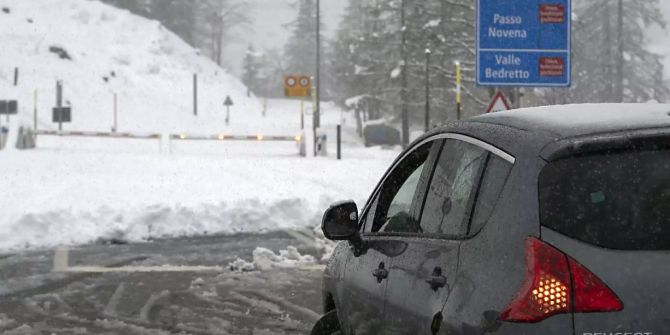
(34, 299)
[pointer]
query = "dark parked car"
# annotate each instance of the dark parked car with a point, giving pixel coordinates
(552, 220)
(376, 133)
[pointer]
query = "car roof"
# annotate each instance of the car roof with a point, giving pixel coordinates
(586, 119)
(527, 131)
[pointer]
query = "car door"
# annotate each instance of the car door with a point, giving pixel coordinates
(421, 278)
(366, 273)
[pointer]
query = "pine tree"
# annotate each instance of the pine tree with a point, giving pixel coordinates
(300, 50)
(369, 57)
(215, 21)
(271, 74)
(611, 59)
(250, 70)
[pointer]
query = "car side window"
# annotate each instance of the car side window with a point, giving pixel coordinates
(494, 179)
(453, 188)
(390, 210)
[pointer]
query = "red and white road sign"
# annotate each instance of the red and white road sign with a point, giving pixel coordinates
(552, 13)
(499, 104)
(552, 67)
(290, 81)
(305, 82)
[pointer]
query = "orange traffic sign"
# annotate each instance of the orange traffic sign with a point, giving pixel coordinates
(297, 86)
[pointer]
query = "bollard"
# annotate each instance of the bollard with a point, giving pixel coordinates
(61, 259)
(339, 142)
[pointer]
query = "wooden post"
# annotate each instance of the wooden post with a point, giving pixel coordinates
(1, 134)
(302, 114)
(116, 117)
(35, 112)
(59, 104)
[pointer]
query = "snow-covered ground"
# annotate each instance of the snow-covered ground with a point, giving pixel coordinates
(74, 191)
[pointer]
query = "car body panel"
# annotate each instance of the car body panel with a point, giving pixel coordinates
(411, 302)
(492, 265)
(363, 295)
(638, 278)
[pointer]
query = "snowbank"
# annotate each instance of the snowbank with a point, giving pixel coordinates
(63, 197)
(265, 259)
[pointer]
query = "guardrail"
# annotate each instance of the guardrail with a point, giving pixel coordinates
(223, 137)
(101, 134)
(298, 139)
(97, 134)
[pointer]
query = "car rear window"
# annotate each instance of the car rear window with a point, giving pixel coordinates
(615, 200)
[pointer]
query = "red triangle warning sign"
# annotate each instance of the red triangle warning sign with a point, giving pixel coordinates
(498, 104)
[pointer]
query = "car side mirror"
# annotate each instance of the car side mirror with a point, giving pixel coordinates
(340, 221)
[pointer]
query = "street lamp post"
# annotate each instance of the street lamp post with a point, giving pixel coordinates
(404, 88)
(458, 90)
(317, 96)
(317, 115)
(427, 125)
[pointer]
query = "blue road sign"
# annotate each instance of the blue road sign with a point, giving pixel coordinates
(524, 43)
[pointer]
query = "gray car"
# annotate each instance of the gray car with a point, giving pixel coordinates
(552, 220)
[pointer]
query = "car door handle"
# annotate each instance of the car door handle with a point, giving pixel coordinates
(380, 273)
(437, 280)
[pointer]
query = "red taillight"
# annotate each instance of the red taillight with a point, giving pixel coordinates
(590, 293)
(549, 288)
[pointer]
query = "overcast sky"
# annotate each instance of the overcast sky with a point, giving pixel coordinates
(268, 30)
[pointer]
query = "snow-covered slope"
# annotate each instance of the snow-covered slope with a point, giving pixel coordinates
(110, 51)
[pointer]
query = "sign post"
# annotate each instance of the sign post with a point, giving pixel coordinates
(59, 103)
(35, 112)
(524, 43)
(228, 103)
(302, 113)
(195, 94)
(299, 86)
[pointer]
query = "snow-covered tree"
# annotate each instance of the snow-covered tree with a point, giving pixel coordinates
(250, 70)
(300, 50)
(216, 20)
(369, 56)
